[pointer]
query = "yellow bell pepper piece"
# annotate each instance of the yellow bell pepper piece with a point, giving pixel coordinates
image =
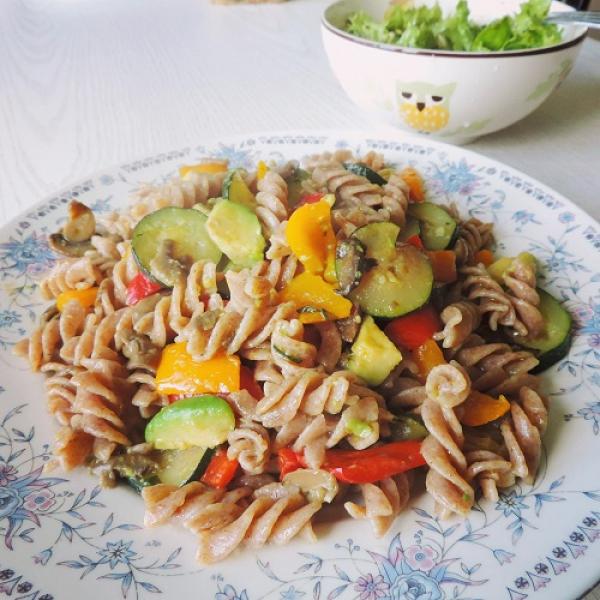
(427, 356)
(311, 238)
(178, 373)
(219, 166)
(308, 289)
(479, 409)
(316, 316)
(261, 169)
(85, 297)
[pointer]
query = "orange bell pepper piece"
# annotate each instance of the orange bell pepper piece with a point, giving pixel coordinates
(485, 257)
(413, 179)
(85, 297)
(311, 238)
(178, 373)
(443, 263)
(479, 409)
(217, 166)
(308, 289)
(427, 356)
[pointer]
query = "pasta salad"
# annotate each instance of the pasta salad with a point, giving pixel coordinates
(244, 348)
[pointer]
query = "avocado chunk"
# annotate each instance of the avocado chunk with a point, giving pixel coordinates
(373, 354)
(499, 267)
(204, 421)
(235, 189)
(379, 239)
(236, 231)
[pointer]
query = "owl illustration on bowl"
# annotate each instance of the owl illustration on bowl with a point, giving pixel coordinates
(423, 106)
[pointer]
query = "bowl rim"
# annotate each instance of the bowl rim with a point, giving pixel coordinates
(447, 53)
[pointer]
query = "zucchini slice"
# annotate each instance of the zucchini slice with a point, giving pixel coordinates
(350, 264)
(379, 240)
(178, 467)
(184, 229)
(236, 189)
(396, 286)
(411, 227)
(556, 341)
(438, 228)
(364, 171)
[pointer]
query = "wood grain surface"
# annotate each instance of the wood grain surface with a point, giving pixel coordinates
(88, 84)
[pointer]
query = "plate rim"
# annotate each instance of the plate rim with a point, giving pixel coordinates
(331, 135)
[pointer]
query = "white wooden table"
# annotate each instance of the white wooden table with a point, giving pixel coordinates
(85, 85)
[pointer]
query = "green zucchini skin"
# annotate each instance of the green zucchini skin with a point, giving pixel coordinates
(396, 286)
(183, 228)
(438, 228)
(364, 171)
(554, 345)
(178, 467)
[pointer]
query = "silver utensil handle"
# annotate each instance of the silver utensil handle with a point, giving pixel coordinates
(591, 18)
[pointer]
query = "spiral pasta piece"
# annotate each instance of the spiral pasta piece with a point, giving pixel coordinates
(447, 386)
(460, 320)
(522, 433)
(349, 188)
(70, 274)
(493, 302)
(490, 470)
(224, 520)
(272, 203)
(497, 368)
(123, 272)
(184, 192)
(382, 502)
(520, 279)
(98, 407)
(289, 350)
(326, 158)
(395, 199)
(249, 444)
(473, 235)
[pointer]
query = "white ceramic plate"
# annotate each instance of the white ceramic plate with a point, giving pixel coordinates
(62, 537)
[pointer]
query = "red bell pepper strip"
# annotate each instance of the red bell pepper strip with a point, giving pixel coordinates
(220, 470)
(361, 466)
(289, 461)
(310, 198)
(374, 464)
(415, 240)
(140, 287)
(412, 330)
(248, 383)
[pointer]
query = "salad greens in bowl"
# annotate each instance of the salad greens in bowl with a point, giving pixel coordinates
(428, 27)
(453, 70)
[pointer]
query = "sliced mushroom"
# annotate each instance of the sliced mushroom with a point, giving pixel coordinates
(81, 225)
(140, 351)
(165, 267)
(74, 238)
(59, 244)
(316, 484)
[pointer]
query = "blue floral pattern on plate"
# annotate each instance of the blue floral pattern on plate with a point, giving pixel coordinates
(64, 527)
